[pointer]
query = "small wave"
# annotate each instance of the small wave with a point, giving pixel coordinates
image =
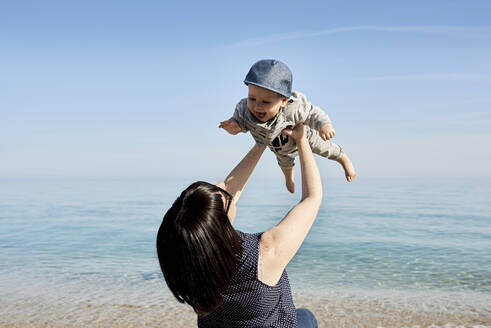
(152, 275)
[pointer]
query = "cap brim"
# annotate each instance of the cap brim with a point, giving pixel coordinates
(268, 88)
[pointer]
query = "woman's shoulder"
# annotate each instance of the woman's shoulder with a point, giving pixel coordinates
(250, 243)
(247, 266)
(250, 240)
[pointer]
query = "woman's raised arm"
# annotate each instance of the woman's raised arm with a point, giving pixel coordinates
(236, 180)
(279, 244)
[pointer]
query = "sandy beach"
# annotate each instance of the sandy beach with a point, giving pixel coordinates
(349, 310)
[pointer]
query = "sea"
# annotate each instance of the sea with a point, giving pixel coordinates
(386, 248)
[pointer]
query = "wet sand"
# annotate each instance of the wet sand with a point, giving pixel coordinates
(331, 311)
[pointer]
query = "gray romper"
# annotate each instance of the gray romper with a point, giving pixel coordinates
(298, 109)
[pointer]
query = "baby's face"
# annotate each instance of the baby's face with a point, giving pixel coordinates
(263, 103)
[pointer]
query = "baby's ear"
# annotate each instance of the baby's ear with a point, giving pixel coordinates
(284, 101)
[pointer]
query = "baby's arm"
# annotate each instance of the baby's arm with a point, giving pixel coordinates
(327, 131)
(231, 126)
(317, 119)
(236, 123)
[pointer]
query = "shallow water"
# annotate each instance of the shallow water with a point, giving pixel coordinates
(405, 243)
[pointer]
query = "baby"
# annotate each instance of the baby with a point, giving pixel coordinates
(271, 107)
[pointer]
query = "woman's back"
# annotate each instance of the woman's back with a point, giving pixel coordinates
(249, 302)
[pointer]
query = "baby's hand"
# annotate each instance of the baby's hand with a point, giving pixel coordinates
(231, 126)
(327, 131)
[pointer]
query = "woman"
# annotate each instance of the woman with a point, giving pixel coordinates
(231, 278)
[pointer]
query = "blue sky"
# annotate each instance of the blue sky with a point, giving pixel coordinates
(137, 88)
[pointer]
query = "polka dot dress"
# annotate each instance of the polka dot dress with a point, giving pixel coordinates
(248, 301)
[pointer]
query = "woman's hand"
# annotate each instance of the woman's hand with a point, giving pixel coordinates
(297, 132)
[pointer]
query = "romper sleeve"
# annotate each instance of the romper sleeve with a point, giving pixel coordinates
(239, 115)
(312, 115)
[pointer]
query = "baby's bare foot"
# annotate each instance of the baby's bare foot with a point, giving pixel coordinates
(349, 169)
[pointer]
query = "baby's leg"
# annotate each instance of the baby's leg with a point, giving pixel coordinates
(286, 163)
(289, 181)
(349, 169)
(332, 151)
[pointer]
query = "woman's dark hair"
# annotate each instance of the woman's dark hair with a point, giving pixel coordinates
(197, 247)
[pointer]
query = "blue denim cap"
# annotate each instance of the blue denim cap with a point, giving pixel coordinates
(271, 74)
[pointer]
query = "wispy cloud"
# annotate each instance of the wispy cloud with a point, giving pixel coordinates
(461, 30)
(445, 76)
